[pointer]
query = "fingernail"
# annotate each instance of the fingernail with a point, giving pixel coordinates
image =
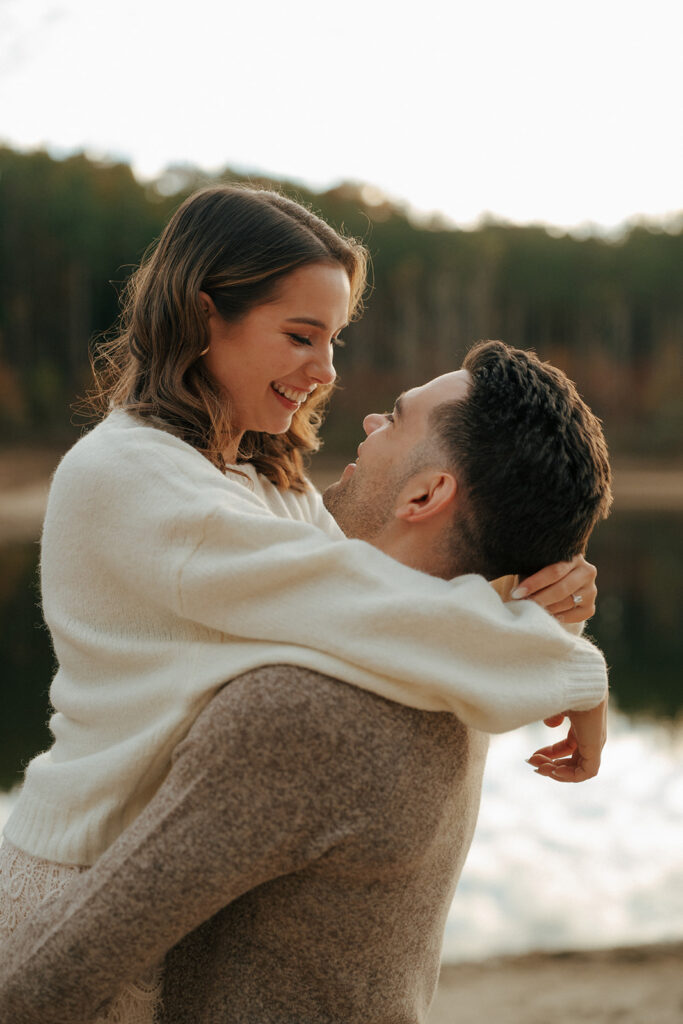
(519, 593)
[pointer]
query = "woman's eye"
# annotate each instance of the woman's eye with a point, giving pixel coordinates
(300, 339)
(338, 342)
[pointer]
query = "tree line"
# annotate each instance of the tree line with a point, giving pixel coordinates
(609, 312)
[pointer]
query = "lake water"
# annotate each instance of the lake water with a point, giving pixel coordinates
(552, 866)
(557, 866)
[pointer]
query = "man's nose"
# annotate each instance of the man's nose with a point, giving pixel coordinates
(321, 367)
(372, 421)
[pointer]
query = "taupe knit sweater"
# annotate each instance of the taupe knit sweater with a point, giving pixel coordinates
(296, 867)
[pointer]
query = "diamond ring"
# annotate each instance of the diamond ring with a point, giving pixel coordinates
(577, 599)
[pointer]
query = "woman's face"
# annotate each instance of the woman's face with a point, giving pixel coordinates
(276, 355)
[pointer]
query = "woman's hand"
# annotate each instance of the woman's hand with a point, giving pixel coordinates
(566, 589)
(577, 757)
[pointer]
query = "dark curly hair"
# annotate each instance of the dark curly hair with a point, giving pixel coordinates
(531, 459)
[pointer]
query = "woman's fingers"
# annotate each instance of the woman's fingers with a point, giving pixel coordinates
(540, 581)
(566, 773)
(554, 720)
(565, 589)
(548, 767)
(586, 739)
(578, 580)
(558, 602)
(562, 749)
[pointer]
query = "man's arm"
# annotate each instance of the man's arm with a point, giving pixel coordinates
(253, 794)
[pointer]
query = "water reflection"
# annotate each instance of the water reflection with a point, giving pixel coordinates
(640, 579)
(27, 663)
(641, 589)
(574, 867)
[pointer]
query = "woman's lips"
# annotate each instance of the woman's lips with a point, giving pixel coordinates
(291, 406)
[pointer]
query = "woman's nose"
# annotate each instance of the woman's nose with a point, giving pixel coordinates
(372, 421)
(321, 368)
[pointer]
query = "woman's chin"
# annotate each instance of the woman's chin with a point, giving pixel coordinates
(273, 425)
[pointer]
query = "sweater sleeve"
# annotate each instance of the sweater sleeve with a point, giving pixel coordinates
(434, 644)
(213, 551)
(267, 780)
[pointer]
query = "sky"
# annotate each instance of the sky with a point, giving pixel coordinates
(531, 111)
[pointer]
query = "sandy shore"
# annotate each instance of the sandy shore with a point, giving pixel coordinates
(25, 476)
(636, 985)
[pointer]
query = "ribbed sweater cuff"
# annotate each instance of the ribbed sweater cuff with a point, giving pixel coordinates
(586, 677)
(44, 832)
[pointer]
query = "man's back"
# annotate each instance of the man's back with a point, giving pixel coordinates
(295, 867)
(380, 803)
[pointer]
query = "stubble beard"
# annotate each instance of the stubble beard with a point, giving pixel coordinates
(361, 509)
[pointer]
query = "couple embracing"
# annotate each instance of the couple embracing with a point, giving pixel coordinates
(270, 709)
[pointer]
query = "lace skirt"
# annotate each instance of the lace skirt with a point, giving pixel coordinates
(24, 882)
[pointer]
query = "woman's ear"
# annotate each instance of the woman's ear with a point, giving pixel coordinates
(426, 495)
(207, 304)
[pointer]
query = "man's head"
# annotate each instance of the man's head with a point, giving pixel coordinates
(497, 468)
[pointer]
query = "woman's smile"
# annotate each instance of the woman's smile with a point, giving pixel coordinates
(291, 397)
(270, 361)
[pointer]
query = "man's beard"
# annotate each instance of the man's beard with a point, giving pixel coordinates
(362, 508)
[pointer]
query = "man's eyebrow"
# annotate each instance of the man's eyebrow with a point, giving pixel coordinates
(398, 407)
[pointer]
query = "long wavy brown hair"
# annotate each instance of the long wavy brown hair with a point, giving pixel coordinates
(236, 244)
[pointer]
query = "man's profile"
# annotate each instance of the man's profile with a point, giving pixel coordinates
(298, 862)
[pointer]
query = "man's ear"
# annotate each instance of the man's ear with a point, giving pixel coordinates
(425, 495)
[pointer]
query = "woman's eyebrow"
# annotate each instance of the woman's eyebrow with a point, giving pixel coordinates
(310, 320)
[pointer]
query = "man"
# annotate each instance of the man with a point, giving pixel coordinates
(298, 863)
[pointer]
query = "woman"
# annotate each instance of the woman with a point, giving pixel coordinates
(183, 545)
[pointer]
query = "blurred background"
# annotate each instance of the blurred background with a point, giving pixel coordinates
(515, 170)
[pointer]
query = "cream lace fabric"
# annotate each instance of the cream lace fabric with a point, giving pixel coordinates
(24, 882)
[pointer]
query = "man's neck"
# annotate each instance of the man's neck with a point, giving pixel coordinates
(418, 550)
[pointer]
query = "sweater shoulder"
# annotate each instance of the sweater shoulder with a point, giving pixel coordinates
(348, 754)
(297, 715)
(128, 441)
(126, 461)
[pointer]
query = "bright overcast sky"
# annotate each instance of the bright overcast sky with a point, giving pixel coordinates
(528, 109)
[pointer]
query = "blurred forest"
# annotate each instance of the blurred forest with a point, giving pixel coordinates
(609, 312)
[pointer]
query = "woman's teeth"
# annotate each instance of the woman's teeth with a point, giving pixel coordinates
(291, 394)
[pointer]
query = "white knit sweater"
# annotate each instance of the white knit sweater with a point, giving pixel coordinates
(163, 578)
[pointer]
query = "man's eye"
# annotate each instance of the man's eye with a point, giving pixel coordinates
(389, 416)
(300, 339)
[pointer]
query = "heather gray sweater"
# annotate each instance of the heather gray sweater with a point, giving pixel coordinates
(296, 867)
